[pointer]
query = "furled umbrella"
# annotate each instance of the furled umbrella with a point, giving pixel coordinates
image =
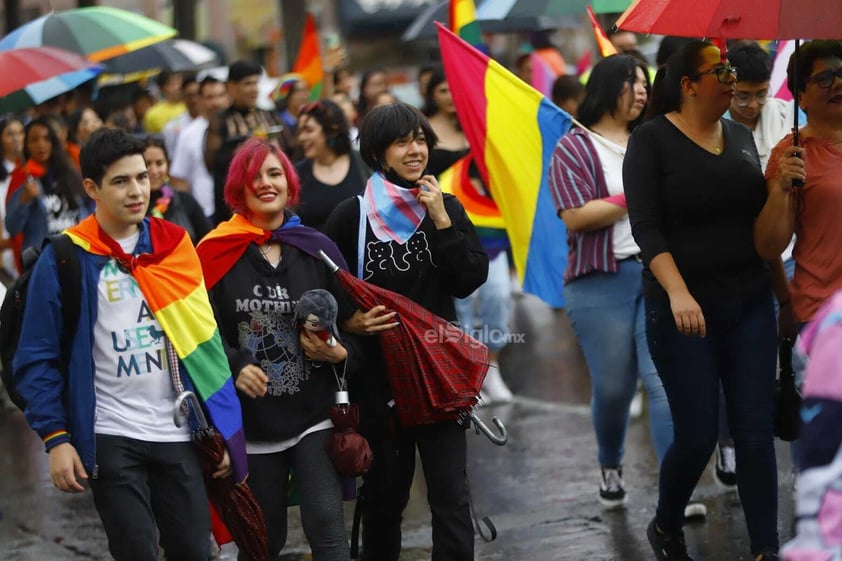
(34, 75)
(97, 32)
(175, 55)
(435, 369)
(234, 503)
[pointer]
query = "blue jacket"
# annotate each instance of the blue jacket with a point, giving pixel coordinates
(60, 413)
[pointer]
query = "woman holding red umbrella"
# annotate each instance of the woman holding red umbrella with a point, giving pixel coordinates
(404, 235)
(694, 188)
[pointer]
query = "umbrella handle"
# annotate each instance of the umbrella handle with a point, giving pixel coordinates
(483, 428)
(330, 263)
(179, 417)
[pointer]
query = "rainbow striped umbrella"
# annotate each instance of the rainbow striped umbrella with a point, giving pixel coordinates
(97, 32)
(36, 75)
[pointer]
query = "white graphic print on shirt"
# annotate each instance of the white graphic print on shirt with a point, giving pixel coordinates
(380, 256)
(133, 386)
(272, 338)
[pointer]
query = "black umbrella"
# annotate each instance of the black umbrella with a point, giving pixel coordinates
(175, 55)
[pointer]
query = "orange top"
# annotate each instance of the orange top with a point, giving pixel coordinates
(818, 228)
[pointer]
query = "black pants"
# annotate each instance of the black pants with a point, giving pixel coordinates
(442, 448)
(143, 485)
(320, 491)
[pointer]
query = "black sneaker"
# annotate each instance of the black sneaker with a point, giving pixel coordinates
(612, 489)
(667, 547)
(725, 471)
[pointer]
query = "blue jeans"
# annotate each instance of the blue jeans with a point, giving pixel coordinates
(607, 313)
(739, 351)
(146, 490)
(493, 301)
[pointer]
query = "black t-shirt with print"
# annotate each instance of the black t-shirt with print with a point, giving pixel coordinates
(255, 307)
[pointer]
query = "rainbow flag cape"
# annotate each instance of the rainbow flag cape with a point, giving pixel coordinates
(172, 284)
(308, 63)
(512, 130)
(481, 209)
(606, 47)
(463, 21)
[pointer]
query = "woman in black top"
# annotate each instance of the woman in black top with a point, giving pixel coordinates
(404, 235)
(440, 110)
(178, 207)
(331, 171)
(694, 187)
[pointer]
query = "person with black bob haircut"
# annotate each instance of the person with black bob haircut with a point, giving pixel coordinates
(419, 243)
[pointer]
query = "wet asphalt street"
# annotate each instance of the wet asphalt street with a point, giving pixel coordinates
(539, 490)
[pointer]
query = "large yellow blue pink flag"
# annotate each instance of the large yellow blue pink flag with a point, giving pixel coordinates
(512, 130)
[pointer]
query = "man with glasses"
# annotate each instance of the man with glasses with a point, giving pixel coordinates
(753, 105)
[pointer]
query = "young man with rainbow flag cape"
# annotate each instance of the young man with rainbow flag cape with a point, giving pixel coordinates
(109, 420)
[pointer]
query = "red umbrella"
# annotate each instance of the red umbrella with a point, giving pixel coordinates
(24, 67)
(435, 369)
(735, 19)
(232, 504)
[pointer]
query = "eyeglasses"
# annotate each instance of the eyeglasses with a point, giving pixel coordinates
(723, 74)
(825, 79)
(744, 99)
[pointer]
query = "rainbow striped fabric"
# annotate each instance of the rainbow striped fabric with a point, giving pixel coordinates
(172, 284)
(481, 209)
(512, 130)
(463, 21)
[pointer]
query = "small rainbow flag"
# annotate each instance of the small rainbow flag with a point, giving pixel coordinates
(308, 63)
(606, 47)
(512, 130)
(463, 21)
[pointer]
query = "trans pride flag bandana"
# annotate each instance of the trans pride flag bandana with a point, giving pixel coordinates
(392, 211)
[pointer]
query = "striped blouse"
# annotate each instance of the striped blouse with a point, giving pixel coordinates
(575, 178)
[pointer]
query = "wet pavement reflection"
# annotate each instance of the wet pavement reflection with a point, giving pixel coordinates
(539, 490)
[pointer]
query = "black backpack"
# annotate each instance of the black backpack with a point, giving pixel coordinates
(12, 310)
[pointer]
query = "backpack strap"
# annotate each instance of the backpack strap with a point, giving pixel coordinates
(70, 280)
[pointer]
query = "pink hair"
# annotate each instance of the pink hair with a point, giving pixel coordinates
(246, 165)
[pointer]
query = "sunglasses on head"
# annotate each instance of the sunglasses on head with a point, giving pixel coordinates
(723, 74)
(825, 79)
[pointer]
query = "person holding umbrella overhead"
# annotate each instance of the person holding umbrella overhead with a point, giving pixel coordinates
(694, 188)
(810, 212)
(257, 265)
(402, 234)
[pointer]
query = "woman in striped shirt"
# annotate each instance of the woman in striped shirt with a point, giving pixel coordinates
(603, 286)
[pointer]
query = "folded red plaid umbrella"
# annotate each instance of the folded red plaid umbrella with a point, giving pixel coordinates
(235, 513)
(435, 369)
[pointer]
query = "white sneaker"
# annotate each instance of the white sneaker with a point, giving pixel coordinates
(494, 389)
(636, 407)
(695, 511)
(612, 488)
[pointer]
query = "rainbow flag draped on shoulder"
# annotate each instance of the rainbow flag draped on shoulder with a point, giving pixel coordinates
(512, 130)
(171, 281)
